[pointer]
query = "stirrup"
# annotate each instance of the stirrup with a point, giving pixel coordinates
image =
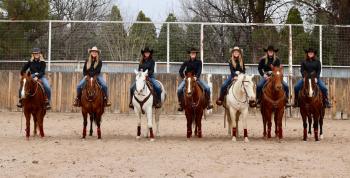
(19, 104)
(76, 102)
(131, 106)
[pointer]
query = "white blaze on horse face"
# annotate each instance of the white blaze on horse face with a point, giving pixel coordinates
(311, 92)
(91, 80)
(23, 87)
(189, 85)
(278, 73)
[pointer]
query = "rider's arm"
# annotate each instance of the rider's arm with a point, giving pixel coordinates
(25, 67)
(84, 69)
(243, 68)
(151, 68)
(261, 67)
(98, 67)
(318, 69)
(41, 71)
(199, 69)
(302, 68)
(182, 68)
(233, 70)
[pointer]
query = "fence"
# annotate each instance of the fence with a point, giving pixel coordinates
(63, 86)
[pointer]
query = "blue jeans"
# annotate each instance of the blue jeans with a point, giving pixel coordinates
(225, 85)
(46, 86)
(320, 84)
(262, 82)
(156, 86)
(100, 81)
(181, 87)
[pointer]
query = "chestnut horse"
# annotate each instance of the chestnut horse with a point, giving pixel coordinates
(33, 98)
(194, 104)
(311, 105)
(92, 103)
(273, 102)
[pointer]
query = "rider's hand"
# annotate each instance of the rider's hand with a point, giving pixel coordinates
(315, 80)
(235, 78)
(36, 73)
(195, 78)
(266, 76)
(35, 78)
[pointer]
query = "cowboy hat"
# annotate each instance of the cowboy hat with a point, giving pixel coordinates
(36, 50)
(94, 49)
(310, 50)
(236, 48)
(193, 50)
(271, 48)
(146, 49)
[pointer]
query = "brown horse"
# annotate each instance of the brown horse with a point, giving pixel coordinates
(273, 102)
(194, 104)
(33, 99)
(92, 103)
(311, 105)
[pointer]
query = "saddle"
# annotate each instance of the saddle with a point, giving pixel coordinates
(153, 92)
(42, 87)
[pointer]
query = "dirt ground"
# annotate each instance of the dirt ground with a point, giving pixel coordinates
(63, 154)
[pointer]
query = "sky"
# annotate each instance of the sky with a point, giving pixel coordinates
(157, 10)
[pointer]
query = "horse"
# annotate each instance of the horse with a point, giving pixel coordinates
(92, 103)
(194, 103)
(33, 98)
(273, 102)
(311, 106)
(143, 104)
(240, 95)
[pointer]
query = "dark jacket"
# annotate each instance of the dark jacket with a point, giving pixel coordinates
(310, 66)
(237, 68)
(148, 65)
(193, 66)
(35, 66)
(92, 71)
(265, 65)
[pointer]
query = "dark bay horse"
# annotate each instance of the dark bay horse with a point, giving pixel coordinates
(194, 104)
(273, 102)
(92, 103)
(33, 98)
(311, 105)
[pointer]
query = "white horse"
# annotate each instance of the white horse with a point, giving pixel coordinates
(143, 103)
(240, 94)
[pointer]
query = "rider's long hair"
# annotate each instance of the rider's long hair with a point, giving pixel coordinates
(89, 62)
(240, 59)
(274, 57)
(41, 57)
(142, 59)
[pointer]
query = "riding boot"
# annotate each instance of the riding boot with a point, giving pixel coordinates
(158, 103)
(180, 108)
(47, 104)
(20, 104)
(131, 106)
(326, 102)
(296, 101)
(220, 100)
(287, 102)
(77, 101)
(210, 105)
(258, 100)
(107, 101)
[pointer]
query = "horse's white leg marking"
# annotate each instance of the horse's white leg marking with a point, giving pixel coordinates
(22, 91)
(244, 120)
(233, 121)
(157, 113)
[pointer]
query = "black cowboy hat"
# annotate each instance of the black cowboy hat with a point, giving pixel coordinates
(195, 50)
(146, 49)
(310, 50)
(36, 50)
(271, 48)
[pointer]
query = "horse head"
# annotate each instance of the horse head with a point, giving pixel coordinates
(190, 84)
(141, 81)
(247, 86)
(310, 84)
(27, 85)
(277, 78)
(91, 87)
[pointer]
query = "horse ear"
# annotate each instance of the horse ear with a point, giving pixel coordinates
(136, 72)
(146, 71)
(29, 74)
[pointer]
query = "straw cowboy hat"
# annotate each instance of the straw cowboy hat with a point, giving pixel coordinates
(236, 48)
(271, 48)
(94, 49)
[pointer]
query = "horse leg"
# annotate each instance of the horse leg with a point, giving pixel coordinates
(157, 113)
(276, 125)
(138, 134)
(40, 120)
(199, 124)
(321, 126)
(245, 127)
(310, 123)
(229, 128)
(35, 125)
(91, 122)
(269, 124)
(264, 127)
(27, 115)
(98, 123)
(305, 127)
(233, 123)
(84, 124)
(189, 125)
(316, 127)
(150, 124)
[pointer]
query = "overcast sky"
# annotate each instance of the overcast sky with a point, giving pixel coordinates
(157, 10)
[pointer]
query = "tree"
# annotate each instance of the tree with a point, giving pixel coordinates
(141, 35)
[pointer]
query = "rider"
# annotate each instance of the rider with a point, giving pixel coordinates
(36, 65)
(236, 64)
(147, 63)
(265, 67)
(92, 67)
(196, 65)
(309, 65)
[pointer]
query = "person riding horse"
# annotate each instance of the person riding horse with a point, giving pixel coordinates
(147, 63)
(196, 65)
(92, 67)
(266, 64)
(36, 65)
(309, 65)
(236, 63)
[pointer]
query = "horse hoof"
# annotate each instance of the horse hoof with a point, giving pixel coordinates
(152, 140)
(246, 140)
(138, 137)
(234, 139)
(321, 137)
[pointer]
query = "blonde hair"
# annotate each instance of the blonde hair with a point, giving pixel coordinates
(88, 64)
(240, 58)
(41, 57)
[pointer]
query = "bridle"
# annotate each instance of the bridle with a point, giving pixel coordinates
(245, 92)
